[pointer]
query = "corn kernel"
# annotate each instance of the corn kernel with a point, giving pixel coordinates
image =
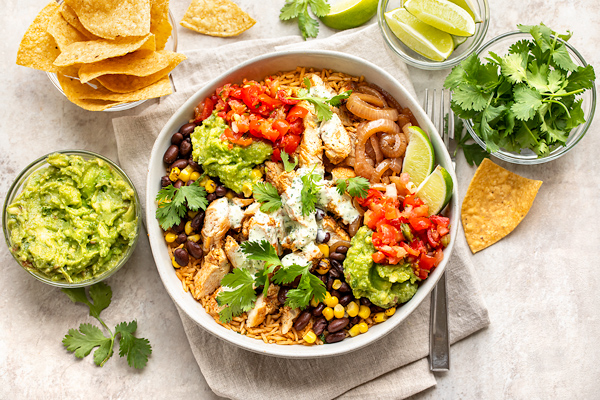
(230, 195)
(194, 238)
(210, 186)
(174, 175)
(331, 301)
(256, 174)
(363, 327)
(175, 265)
(188, 228)
(338, 310)
(314, 302)
(354, 331)
(204, 180)
(247, 189)
(192, 214)
(195, 176)
(390, 311)
(337, 284)
(327, 312)
(324, 267)
(364, 312)
(170, 237)
(324, 249)
(309, 337)
(186, 173)
(379, 317)
(352, 309)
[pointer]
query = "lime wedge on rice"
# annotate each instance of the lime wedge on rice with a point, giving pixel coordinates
(346, 14)
(418, 36)
(471, 8)
(436, 190)
(443, 15)
(419, 158)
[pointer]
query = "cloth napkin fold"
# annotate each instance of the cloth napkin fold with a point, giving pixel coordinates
(394, 367)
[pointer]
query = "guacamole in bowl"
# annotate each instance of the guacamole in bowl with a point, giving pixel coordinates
(71, 218)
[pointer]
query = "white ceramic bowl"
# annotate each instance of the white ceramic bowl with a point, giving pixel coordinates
(258, 68)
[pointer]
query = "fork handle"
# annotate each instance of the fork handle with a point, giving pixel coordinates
(439, 345)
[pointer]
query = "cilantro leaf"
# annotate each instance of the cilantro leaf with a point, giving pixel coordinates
(319, 7)
(84, 340)
(337, 99)
(561, 57)
(290, 10)
(527, 102)
(581, 78)
(100, 293)
(266, 194)
(341, 185)
(238, 295)
(322, 105)
(287, 165)
(473, 152)
(136, 349)
(357, 186)
(288, 274)
(173, 203)
(309, 193)
(261, 251)
(470, 97)
(310, 286)
(513, 68)
(309, 27)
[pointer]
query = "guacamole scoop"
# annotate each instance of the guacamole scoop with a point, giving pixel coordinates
(231, 163)
(384, 285)
(74, 220)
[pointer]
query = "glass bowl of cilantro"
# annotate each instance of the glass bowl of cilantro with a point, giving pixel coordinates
(527, 97)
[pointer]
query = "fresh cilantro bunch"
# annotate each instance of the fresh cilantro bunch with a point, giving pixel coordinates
(239, 294)
(173, 203)
(525, 99)
(322, 106)
(309, 27)
(357, 186)
(88, 337)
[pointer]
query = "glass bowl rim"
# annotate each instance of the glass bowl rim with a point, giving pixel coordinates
(38, 164)
(435, 65)
(516, 158)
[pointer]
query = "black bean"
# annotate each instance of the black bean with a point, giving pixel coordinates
(185, 147)
(282, 295)
(186, 129)
(176, 138)
(318, 310)
(211, 197)
(178, 183)
(171, 154)
(221, 191)
(335, 293)
(189, 183)
(181, 257)
(296, 281)
(193, 163)
(376, 309)
(354, 321)
(335, 337)
(322, 236)
(330, 282)
(345, 288)
(194, 249)
(337, 325)
(197, 221)
(345, 299)
(365, 302)
(342, 249)
(319, 326)
(334, 272)
(302, 320)
(323, 278)
(181, 164)
(165, 181)
(335, 264)
(181, 238)
(337, 256)
(179, 227)
(320, 214)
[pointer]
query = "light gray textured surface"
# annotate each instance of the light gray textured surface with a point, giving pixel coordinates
(540, 282)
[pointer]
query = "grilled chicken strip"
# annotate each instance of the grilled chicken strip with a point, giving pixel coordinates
(216, 224)
(215, 267)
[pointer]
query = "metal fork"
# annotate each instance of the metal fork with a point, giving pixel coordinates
(439, 344)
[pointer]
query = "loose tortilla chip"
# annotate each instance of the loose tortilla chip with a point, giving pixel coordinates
(216, 18)
(110, 19)
(138, 63)
(160, 25)
(98, 50)
(63, 33)
(95, 105)
(496, 202)
(76, 90)
(70, 16)
(38, 49)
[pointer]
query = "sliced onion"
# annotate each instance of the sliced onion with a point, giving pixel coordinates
(381, 168)
(376, 149)
(373, 92)
(391, 191)
(393, 145)
(358, 207)
(364, 132)
(358, 105)
(354, 226)
(396, 165)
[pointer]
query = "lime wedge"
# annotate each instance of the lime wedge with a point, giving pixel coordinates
(346, 14)
(419, 157)
(443, 15)
(436, 190)
(458, 40)
(418, 36)
(470, 7)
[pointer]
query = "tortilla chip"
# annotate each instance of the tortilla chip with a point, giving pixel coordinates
(216, 18)
(110, 19)
(76, 90)
(496, 202)
(63, 33)
(95, 105)
(101, 49)
(38, 49)
(70, 16)
(138, 63)
(160, 25)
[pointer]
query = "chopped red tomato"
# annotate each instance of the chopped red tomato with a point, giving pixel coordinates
(281, 126)
(204, 110)
(269, 101)
(296, 112)
(290, 143)
(250, 95)
(419, 223)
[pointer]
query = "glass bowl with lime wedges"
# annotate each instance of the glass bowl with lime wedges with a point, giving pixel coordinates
(433, 34)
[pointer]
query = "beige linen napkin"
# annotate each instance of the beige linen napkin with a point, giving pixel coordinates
(394, 367)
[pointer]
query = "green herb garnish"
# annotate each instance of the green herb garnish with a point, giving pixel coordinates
(287, 165)
(473, 152)
(173, 203)
(309, 27)
(357, 186)
(526, 99)
(88, 337)
(266, 194)
(322, 105)
(309, 193)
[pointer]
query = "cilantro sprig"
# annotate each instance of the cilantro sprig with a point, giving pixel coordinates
(525, 99)
(309, 27)
(473, 152)
(356, 187)
(322, 105)
(266, 193)
(287, 164)
(309, 195)
(173, 203)
(83, 340)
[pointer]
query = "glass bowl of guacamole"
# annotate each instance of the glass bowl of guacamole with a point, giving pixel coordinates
(71, 218)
